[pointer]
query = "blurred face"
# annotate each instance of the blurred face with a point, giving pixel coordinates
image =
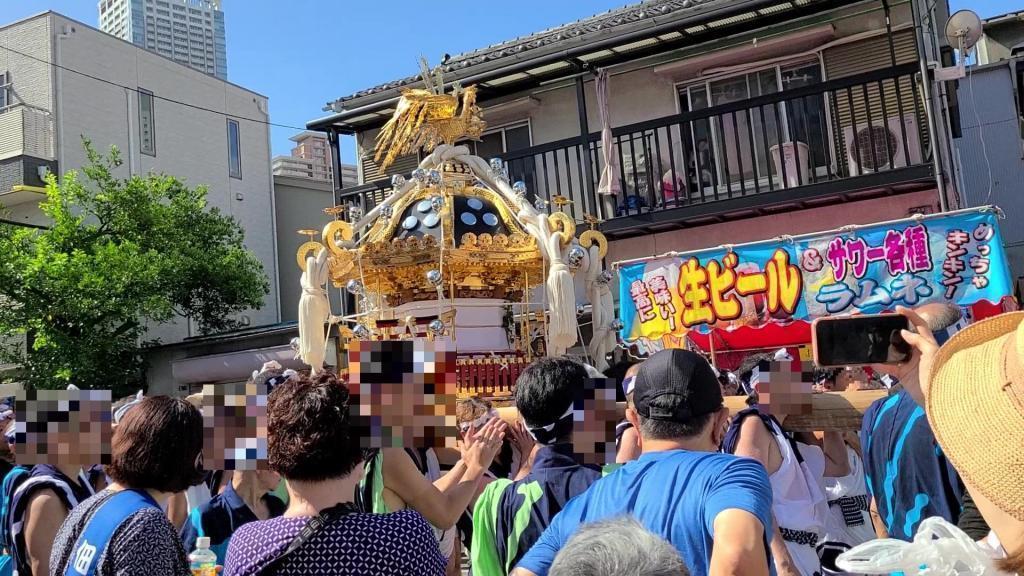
(593, 436)
(235, 426)
(405, 390)
(781, 391)
(63, 427)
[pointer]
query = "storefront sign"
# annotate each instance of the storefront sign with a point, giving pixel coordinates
(956, 258)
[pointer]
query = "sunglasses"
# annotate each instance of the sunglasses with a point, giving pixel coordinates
(479, 422)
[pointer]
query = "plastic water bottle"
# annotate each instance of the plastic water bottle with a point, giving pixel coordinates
(203, 560)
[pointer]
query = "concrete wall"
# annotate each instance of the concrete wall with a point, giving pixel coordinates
(159, 377)
(32, 79)
(23, 170)
(991, 153)
(999, 40)
(32, 82)
(299, 204)
(191, 144)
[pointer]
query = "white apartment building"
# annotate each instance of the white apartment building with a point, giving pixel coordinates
(116, 94)
(190, 32)
(311, 159)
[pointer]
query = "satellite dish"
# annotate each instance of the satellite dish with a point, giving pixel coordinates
(963, 30)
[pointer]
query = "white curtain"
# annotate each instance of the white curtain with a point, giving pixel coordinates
(609, 185)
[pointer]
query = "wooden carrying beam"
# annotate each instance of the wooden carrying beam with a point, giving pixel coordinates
(830, 410)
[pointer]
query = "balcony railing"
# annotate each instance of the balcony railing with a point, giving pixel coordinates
(831, 138)
(26, 131)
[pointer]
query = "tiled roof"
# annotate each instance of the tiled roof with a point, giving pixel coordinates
(595, 25)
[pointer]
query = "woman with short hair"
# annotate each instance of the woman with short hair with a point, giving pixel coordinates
(156, 451)
(312, 443)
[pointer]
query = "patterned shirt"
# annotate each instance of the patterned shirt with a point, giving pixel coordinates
(145, 543)
(396, 544)
(221, 516)
(906, 471)
(524, 509)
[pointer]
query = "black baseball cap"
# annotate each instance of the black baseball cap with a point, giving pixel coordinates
(676, 385)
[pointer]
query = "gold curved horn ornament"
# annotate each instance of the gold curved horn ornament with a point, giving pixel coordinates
(334, 230)
(304, 250)
(591, 237)
(561, 223)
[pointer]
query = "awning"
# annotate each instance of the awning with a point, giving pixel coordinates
(798, 332)
(234, 366)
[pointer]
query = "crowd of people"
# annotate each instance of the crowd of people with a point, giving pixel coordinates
(694, 489)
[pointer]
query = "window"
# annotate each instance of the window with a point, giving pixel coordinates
(234, 150)
(147, 123)
(735, 147)
(500, 140)
(6, 95)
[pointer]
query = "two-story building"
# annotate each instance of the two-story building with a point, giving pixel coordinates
(731, 121)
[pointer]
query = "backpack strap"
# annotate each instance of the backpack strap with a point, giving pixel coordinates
(100, 527)
(313, 527)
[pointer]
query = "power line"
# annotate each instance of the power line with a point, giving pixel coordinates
(155, 96)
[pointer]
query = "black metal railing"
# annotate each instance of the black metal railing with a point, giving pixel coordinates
(827, 132)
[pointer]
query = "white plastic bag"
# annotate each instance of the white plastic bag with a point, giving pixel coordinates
(939, 549)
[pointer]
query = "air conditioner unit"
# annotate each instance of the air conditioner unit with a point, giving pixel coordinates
(887, 142)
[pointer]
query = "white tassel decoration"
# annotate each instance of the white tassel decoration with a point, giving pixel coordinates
(602, 311)
(314, 311)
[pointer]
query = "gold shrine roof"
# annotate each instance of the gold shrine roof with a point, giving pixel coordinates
(464, 230)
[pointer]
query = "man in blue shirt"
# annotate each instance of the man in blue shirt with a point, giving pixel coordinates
(907, 474)
(714, 508)
(509, 517)
(247, 498)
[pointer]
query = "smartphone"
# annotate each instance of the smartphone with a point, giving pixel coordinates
(860, 340)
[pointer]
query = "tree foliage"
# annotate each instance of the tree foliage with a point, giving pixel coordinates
(119, 255)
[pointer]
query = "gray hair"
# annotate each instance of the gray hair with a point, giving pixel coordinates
(619, 547)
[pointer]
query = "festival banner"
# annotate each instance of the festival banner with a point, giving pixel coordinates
(956, 258)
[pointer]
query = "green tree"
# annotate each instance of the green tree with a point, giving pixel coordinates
(119, 255)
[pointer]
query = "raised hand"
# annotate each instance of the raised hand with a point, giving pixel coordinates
(485, 444)
(924, 343)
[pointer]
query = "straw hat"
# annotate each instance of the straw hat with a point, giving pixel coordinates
(975, 405)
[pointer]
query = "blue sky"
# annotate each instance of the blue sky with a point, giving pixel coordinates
(303, 53)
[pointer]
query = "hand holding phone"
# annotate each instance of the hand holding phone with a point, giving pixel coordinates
(860, 340)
